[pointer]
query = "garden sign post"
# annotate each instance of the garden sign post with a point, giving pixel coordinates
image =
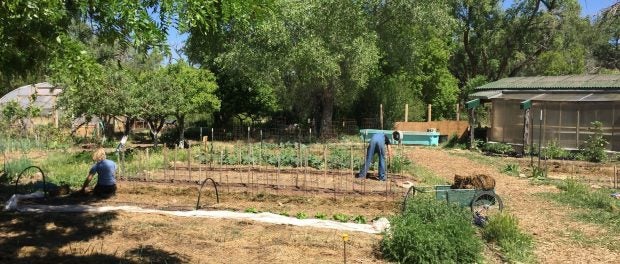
(471, 106)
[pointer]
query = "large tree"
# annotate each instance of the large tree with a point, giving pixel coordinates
(192, 91)
(333, 55)
(606, 47)
(30, 30)
(415, 41)
(242, 44)
(530, 37)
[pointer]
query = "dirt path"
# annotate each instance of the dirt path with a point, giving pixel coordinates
(550, 224)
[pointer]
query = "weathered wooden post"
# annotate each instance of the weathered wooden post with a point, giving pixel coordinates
(526, 106)
(471, 106)
(406, 112)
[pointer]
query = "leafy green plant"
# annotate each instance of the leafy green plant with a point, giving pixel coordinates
(399, 163)
(593, 149)
(320, 216)
(301, 215)
(360, 219)
(511, 169)
(431, 231)
(284, 214)
(498, 148)
(515, 245)
(341, 217)
(251, 210)
(554, 151)
(538, 173)
(455, 142)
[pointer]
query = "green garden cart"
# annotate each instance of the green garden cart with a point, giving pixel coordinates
(481, 202)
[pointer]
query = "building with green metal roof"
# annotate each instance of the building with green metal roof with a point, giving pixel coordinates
(552, 109)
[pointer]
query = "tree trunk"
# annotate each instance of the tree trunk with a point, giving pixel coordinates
(327, 105)
(181, 128)
(155, 126)
(108, 127)
(128, 125)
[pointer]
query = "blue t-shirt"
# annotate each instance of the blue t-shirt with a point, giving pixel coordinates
(380, 138)
(105, 172)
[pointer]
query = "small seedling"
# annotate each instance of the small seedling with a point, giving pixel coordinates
(302, 215)
(251, 210)
(511, 169)
(284, 214)
(341, 217)
(360, 219)
(320, 216)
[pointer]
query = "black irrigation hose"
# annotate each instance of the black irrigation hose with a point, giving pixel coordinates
(217, 195)
(42, 174)
(411, 191)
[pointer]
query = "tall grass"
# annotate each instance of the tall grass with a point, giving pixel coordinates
(67, 167)
(516, 246)
(12, 168)
(599, 207)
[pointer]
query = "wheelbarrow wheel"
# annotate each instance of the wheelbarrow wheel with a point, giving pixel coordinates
(486, 203)
(410, 194)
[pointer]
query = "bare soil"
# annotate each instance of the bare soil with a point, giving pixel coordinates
(140, 238)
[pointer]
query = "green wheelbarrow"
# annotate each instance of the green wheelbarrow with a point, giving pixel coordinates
(481, 202)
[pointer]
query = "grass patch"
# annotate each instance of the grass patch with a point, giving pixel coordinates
(431, 231)
(600, 207)
(516, 246)
(424, 175)
(600, 240)
(480, 159)
(12, 168)
(70, 168)
(597, 206)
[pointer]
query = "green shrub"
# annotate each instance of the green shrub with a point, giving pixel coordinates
(497, 148)
(593, 149)
(554, 151)
(515, 245)
(455, 142)
(399, 163)
(431, 231)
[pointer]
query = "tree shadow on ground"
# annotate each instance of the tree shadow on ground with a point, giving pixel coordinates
(62, 237)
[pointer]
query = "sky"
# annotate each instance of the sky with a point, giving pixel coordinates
(588, 8)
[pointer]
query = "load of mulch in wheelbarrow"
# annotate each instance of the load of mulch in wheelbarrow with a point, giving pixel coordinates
(474, 181)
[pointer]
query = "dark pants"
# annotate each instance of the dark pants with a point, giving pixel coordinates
(375, 147)
(105, 190)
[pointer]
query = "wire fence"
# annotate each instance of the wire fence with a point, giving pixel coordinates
(258, 167)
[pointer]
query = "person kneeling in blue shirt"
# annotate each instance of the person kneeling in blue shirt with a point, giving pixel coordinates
(105, 169)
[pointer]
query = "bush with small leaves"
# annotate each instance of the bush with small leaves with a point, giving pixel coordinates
(431, 231)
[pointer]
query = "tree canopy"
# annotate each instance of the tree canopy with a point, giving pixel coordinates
(310, 60)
